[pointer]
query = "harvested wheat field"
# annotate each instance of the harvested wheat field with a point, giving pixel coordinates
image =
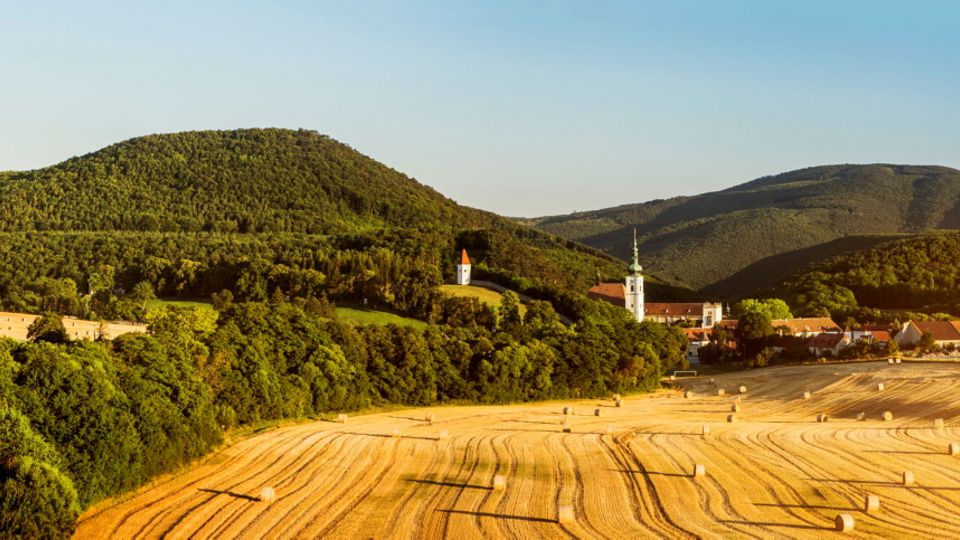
(775, 472)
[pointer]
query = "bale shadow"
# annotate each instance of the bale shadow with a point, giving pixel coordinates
(449, 484)
(230, 493)
(810, 506)
(772, 524)
(389, 436)
(652, 473)
(499, 516)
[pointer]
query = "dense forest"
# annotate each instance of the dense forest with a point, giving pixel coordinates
(918, 274)
(703, 241)
(274, 227)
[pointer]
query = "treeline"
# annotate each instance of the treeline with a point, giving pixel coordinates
(917, 273)
(86, 420)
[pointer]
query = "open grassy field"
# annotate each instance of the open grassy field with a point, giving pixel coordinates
(487, 296)
(197, 304)
(776, 473)
(371, 316)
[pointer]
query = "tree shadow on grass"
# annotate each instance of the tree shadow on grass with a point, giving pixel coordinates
(499, 516)
(230, 493)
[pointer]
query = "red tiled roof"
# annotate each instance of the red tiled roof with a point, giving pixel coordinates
(825, 340)
(940, 330)
(881, 335)
(608, 292)
(729, 324)
(463, 257)
(806, 325)
(673, 309)
(698, 334)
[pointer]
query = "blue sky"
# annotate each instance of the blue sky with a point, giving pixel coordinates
(523, 108)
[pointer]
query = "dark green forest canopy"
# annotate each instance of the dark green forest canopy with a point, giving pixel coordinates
(703, 241)
(917, 273)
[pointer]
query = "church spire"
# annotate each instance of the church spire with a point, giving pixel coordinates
(635, 267)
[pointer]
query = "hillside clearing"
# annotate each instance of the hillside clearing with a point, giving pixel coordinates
(776, 472)
(362, 315)
(487, 296)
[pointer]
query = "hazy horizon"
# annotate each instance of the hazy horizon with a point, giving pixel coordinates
(522, 109)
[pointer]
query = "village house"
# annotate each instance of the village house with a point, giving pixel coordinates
(828, 343)
(943, 332)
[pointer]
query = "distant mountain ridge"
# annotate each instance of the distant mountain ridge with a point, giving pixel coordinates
(703, 240)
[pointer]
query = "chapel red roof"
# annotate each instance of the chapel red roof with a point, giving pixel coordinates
(608, 292)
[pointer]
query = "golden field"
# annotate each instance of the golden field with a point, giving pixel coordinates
(775, 473)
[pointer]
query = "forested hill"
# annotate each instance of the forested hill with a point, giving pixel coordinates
(262, 182)
(702, 240)
(252, 180)
(916, 273)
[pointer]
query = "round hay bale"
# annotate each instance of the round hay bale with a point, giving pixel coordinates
(821, 418)
(743, 389)
(341, 418)
(938, 423)
(844, 522)
(396, 432)
(806, 395)
(566, 429)
(908, 478)
(880, 387)
(443, 435)
(705, 431)
(861, 416)
(428, 418)
(568, 410)
(565, 515)
(673, 377)
(887, 416)
(596, 412)
(721, 391)
(735, 407)
(896, 360)
(871, 503)
(499, 482)
(731, 418)
(619, 403)
(699, 470)
(268, 495)
(616, 397)
(890, 361)
(688, 394)
(712, 381)
(953, 449)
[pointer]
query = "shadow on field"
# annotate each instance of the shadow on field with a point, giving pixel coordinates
(771, 524)
(389, 436)
(230, 493)
(449, 484)
(914, 452)
(499, 516)
(810, 506)
(651, 473)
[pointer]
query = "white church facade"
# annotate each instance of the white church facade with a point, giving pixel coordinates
(630, 295)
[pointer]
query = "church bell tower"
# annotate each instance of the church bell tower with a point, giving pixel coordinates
(633, 293)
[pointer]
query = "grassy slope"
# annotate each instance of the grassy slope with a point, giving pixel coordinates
(194, 304)
(362, 315)
(703, 240)
(487, 296)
